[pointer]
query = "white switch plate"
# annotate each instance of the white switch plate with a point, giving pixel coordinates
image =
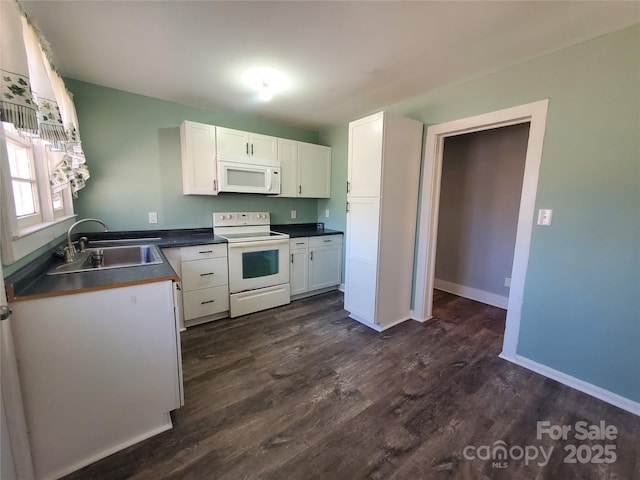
(507, 282)
(293, 214)
(544, 217)
(153, 217)
(326, 213)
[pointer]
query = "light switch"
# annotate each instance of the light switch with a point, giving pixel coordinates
(544, 217)
(153, 217)
(293, 214)
(326, 213)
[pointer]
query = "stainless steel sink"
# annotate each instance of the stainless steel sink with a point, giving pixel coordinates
(96, 259)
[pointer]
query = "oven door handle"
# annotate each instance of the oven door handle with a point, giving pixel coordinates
(258, 243)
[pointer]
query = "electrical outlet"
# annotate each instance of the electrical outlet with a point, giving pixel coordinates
(507, 282)
(153, 217)
(293, 214)
(544, 217)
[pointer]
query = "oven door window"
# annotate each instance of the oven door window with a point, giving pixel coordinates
(260, 264)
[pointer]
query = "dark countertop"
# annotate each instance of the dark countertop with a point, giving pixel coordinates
(31, 281)
(297, 230)
(162, 238)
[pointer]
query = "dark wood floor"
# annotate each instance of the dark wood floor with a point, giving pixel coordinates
(304, 392)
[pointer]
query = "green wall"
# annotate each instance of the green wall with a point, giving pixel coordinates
(132, 146)
(581, 311)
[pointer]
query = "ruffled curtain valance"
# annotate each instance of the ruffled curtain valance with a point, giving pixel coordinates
(35, 100)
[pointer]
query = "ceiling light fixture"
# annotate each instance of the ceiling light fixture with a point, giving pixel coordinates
(266, 81)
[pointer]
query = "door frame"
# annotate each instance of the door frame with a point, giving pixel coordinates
(534, 113)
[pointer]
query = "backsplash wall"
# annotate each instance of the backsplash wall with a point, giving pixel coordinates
(132, 146)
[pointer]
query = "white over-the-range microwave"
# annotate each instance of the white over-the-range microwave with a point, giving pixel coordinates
(249, 175)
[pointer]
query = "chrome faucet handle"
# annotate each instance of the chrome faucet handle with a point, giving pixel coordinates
(68, 256)
(82, 243)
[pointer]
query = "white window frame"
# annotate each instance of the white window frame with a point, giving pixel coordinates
(19, 238)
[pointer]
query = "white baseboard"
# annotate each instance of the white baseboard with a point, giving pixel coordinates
(472, 293)
(585, 387)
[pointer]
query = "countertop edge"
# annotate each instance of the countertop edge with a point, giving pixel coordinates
(107, 286)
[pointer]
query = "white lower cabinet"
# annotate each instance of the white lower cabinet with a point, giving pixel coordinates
(299, 270)
(205, 283)
(316, 264)
(173, 256)
(99, 371)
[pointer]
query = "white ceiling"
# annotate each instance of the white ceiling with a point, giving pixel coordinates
(345, 59)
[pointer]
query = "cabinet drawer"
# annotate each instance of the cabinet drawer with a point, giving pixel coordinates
(198, 252)
(325, 240)
(295, 243)
(199, 274)
(208, 301)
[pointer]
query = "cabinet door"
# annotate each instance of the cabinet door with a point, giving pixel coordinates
(365, 156)
(299, 271)
(362, 257)
(314, 170)
(173, 255)
(232, 142)
(288, 156)
(198, 148)
(324, 267)
(263, 146)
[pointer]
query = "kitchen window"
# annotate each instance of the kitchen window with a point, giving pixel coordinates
(34, 213)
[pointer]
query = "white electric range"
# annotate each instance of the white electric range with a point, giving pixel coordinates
(258, 261)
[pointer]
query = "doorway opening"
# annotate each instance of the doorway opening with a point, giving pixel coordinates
(533, 113)
(480, 190)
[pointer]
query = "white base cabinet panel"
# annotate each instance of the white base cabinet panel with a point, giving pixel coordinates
(99, 371)
(205, 283)
(299, 269)
(315, 264)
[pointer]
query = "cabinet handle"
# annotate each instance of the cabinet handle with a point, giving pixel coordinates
(347, 207)
(347, 186)
(299, 243)
(206, 274)
(207, 301)
(327, 241)
(206, 251)
(311, 256)
(300, 189)
(215, 185)
(252, 149)
(292, 258)
(247, 145)
(178, 287)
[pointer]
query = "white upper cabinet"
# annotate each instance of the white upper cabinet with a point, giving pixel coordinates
(199, 168)
(314, 170)
(305, 169)
(288, 156)
(365, 156)
(236, 143)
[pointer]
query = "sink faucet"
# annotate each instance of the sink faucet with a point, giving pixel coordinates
(70, 249)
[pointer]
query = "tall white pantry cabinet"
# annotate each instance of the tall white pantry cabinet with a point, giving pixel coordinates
(382, 202)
